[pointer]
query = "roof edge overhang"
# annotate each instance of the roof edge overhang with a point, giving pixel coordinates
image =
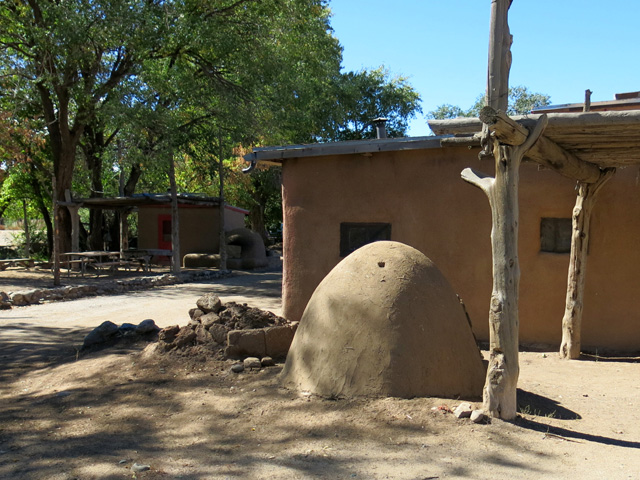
(587, 120)
(275, 155)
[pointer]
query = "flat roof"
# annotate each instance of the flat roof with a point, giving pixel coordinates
(275, 155)
(146, 200)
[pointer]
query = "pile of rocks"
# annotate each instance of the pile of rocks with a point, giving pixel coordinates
(465, 410)
(239, 331)
(109, 333)
(36, 296)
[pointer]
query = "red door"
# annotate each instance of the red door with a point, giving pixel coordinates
(164, 232)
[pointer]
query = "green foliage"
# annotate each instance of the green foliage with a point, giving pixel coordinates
(127, 86)
(368, 94)
(521, 102)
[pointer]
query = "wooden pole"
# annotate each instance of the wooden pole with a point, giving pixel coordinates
(581, 219)
(500, 41)
(587, 100)
(56, 235)
(499, 395)
(545, 152)
(175, 220)
(27, 236)
(223, 233)
(122, 213)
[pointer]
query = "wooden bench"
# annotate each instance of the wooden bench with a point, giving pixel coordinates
(17, 262)
(69, 265)
(113, 265)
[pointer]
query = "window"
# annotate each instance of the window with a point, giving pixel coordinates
(356, 235)
(555, 235)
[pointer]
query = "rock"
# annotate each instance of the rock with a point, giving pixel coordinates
(478, 416)
(252, 362)
(219, 333)
(245, 342)
(202, 335)
(136, 467)
(5, 301)
(267, 362)
(168, 334)
(186, 336)
(463, 410)
(278, 340)
(147, 326)
(209, 302)
(19, 299)
(209, 319)
(127, 329)
(195, 313)
(106, 331)
(237, 367)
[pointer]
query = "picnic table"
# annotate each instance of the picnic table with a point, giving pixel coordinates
(17, 262)
(146, 255)
(101, 260)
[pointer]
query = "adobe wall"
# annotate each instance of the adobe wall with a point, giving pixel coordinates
(199, 228)
(430, 208)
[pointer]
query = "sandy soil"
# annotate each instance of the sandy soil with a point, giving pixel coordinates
(94, 416)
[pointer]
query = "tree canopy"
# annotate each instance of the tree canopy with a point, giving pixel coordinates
(521, 102)
(104, 94)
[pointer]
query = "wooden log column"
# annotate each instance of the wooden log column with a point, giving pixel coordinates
(499, 395)
(581, 219)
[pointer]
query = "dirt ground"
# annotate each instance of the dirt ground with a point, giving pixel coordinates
(66, 415)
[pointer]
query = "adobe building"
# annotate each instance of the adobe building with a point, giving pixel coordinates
(340, 196)
(199, 220)
(199, 226)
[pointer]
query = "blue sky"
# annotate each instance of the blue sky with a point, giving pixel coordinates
(560, 47)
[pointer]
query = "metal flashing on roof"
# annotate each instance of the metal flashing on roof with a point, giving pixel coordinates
(141, 199)
(275, 155)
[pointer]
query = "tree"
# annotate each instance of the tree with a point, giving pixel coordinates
(521, 102)
(72, 54)
(365, 95)
(184, 69)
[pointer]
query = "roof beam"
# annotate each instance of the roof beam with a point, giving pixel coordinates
(544, 151)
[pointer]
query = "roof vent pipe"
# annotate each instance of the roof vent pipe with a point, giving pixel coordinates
(381, 131)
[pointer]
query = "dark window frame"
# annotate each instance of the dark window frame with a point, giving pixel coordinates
(354, 235)
(555, 235)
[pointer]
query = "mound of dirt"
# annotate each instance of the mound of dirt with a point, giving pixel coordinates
(207, 333)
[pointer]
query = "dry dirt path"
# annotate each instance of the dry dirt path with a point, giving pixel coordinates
(94, 416)
(42, 330)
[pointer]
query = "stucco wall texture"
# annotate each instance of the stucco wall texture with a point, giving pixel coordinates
(430, 208)
(199, 227)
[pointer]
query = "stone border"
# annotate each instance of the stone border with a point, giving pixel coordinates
(40, 295)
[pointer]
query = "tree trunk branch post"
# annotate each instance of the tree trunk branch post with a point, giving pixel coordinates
(175, 218)
(223, 233)
(56, 235)
(581, 219)
(499, 396)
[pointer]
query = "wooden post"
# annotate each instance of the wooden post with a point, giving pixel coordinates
(572, 320)
(587, 100)
(75, 222)
(27, 236)
(499, 395)
(56, 235)
(499, 56)
(122, 213)
(175, 221)
(223, 233)
(124, 231)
